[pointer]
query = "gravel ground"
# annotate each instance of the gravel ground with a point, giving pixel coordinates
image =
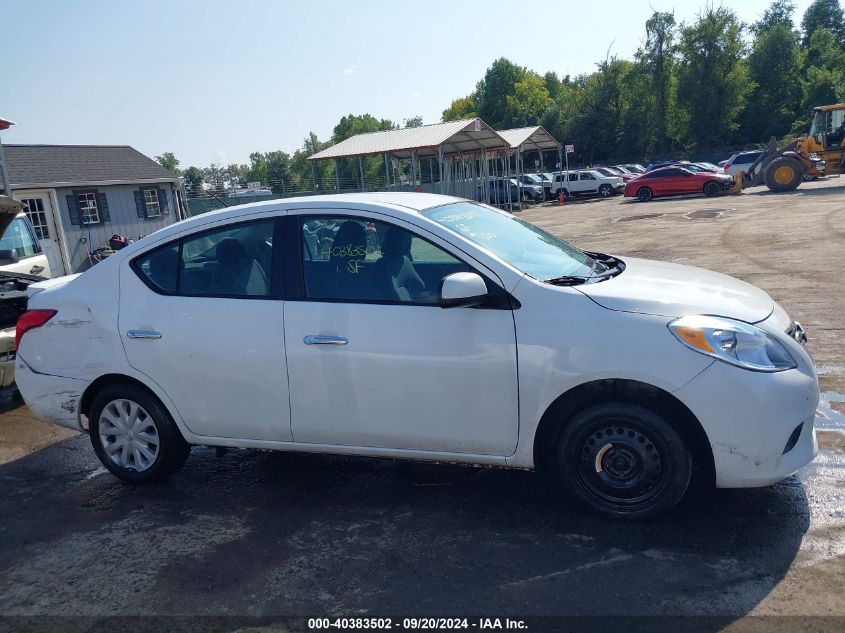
(272, 534)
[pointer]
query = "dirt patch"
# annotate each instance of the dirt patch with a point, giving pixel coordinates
(705, 214)
(641, 216)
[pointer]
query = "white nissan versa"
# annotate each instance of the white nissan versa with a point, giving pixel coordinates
(425, 327)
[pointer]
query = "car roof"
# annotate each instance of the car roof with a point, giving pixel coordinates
(400, 203)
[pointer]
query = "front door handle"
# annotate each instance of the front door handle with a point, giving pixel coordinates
(36, 269)
(151, 334)
(314, 339)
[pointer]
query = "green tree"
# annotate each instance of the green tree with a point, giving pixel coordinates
(712, 78)
(823, 75)
(194, 179)
(657, 59)
(169, 161)
(778, 13)
(774, 68)
(300, 167)
(493, 90)
(414, 121)
(529, 101)
(353, 124)
(462, 108)
(824, 14)
(278, 167)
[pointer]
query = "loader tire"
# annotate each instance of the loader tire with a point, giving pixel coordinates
(783, 174)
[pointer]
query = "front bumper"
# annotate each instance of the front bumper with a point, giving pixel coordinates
(750, 417)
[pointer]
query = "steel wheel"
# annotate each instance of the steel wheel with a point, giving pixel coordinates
(620, 464)
(624, 460)
(129, 435)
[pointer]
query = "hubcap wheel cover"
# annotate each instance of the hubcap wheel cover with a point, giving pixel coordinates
(619, 464)
(128, 435)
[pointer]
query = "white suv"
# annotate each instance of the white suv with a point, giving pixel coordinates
(740, 161)
(586, 182)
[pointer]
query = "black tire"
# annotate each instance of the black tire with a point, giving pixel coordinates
(711, 189)
(624, 460)
(605, 191)
(644, 194)
(783, 174)
(172, 449)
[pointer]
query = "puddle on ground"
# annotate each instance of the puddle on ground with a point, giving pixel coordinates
(826, 416)
(642, 216)
(705, 214)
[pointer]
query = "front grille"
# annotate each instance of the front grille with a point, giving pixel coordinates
(10, 310)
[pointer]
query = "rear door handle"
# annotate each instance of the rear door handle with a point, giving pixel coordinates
(314, 339)
(151, 334)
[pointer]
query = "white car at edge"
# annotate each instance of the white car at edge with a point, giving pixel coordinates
(425, 327)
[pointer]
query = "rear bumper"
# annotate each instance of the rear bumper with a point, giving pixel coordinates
(51, 398)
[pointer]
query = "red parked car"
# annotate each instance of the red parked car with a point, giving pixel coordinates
(676, 181)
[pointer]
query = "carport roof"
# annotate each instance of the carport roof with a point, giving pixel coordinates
(469, 135)
(535, 137)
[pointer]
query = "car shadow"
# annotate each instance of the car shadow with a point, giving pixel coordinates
(270, 533)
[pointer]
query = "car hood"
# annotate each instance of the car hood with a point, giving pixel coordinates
(673, 290)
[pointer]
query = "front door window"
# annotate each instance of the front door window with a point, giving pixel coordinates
(361, 260)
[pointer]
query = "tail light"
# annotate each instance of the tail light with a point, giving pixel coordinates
(30, 320)
(726, 166)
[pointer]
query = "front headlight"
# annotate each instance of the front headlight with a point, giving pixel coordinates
(734, 342)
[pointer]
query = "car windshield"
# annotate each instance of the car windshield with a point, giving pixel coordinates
(522, 245)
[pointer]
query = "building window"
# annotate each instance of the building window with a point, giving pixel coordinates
(88, 208)
(151, 203)
(34, 208)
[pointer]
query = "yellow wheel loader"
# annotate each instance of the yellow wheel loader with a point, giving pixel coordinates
(785, 168)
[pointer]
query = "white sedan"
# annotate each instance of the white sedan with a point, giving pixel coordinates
(424, 327)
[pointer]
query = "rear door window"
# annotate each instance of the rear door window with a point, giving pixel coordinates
(231, 261)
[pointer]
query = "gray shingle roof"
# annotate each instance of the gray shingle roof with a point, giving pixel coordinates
(56, 165)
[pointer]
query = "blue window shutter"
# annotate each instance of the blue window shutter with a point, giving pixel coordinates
(73, 209)
(162, 201)
(103, 207)
(140, 207)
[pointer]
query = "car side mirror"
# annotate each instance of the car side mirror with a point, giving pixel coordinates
(9, 256)
(462, 290)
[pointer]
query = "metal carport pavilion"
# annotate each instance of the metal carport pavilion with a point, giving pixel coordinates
(467, 153)
(530, 139)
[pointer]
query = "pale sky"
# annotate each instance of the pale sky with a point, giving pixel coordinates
(213, 81)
